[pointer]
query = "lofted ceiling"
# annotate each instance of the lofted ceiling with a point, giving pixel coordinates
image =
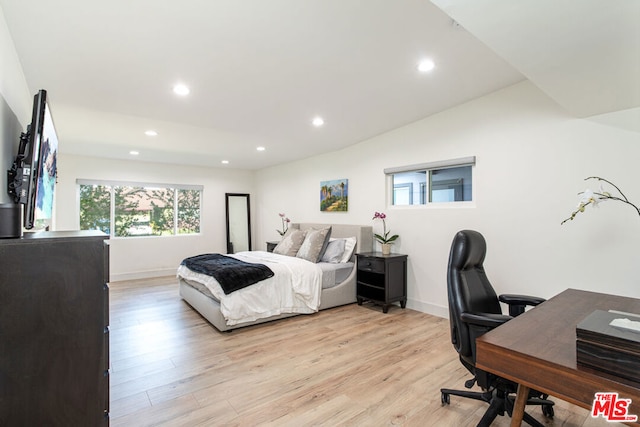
(585, 54)
(259, 71)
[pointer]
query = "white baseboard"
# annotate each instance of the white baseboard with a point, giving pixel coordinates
(142, 275)
(435, 310)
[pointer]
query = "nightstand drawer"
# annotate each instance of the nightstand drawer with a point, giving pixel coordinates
(374, 265)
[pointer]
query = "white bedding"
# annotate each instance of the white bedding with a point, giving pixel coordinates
(294, 288)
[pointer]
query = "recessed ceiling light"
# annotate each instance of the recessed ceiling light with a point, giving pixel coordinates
(225, 162)
(317, 121)
(151, 132)
(426, 65)
(134, 152)
(181, 89)
(260, 148)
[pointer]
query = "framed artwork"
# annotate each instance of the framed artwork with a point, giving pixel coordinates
(334, 195)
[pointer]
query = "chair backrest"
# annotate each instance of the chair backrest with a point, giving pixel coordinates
(469, 290)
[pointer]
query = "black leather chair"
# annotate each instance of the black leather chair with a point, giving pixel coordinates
(474, 309)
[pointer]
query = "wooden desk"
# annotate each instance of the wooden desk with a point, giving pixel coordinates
(538, 350)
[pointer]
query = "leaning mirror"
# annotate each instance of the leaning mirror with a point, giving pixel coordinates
(238, 222)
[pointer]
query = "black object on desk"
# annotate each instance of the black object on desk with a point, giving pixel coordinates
(607, 348)
(382, 278)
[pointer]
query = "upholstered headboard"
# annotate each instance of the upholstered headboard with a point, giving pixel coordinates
(362, 233)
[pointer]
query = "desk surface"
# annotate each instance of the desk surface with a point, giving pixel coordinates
(538, 349)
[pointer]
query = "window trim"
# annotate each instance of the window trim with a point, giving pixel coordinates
(112, 183)
(441, 164)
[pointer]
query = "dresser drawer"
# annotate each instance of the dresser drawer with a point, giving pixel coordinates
(374, 265)
(105, 305)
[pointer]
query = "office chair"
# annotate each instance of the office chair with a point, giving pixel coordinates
(474, 309)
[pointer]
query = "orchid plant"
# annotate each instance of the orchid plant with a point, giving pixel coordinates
(593, 198)
(285, 224)
(384, 237)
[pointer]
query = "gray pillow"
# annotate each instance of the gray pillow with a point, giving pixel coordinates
(314, 243)
(290, 244)
(334, 251)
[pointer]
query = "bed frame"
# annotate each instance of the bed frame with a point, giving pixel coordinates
(344, 293)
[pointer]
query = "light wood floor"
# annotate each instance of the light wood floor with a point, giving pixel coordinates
(348, 366)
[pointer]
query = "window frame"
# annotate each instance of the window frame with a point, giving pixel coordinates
(426, 187)
(145, 185)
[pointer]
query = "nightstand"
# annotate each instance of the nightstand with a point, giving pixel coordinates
(382, 279)
(271, 246)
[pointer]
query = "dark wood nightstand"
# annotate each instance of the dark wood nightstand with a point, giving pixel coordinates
(271, 245)
(382, 279)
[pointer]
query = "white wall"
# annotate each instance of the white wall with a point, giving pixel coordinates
(531, 161)
(13, 84)
(130, 258)
(15, 104)
(152, 256)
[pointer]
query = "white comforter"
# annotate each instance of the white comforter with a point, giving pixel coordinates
(294, 288)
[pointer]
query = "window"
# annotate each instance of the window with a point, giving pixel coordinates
(435, 182)
(129, 210)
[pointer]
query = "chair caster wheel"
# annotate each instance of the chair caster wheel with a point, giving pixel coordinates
(444, 398)
(547, 410)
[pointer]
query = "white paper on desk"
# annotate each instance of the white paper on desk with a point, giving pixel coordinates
(624, 323)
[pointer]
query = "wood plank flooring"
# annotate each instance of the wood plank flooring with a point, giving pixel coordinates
(348, 366)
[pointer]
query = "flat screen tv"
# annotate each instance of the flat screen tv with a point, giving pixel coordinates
(32, 178)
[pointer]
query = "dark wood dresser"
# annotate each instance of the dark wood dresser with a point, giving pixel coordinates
(54, 335)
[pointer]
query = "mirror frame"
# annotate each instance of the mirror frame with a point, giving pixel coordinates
(226, 202)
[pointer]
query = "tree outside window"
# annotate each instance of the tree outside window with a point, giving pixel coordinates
(188, 211)
(95, 208)
(139, 210)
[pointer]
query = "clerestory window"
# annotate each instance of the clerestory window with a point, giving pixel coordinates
(435, 182)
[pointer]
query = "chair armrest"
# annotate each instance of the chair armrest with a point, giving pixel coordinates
(517, 303)
(520, 299)
(489, 320)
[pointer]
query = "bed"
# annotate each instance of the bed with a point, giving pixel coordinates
(203, 293)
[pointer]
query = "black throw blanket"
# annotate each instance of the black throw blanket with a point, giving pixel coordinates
(231, 273)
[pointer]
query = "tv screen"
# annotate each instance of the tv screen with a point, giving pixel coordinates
(32, 178)
(47, 168)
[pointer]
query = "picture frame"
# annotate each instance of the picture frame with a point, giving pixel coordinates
(334, 195)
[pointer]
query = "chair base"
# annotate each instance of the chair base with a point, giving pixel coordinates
(499, 403)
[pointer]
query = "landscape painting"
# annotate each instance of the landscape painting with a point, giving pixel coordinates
(334, 195)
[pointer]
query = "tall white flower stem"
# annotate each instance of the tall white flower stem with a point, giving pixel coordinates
(593, 198)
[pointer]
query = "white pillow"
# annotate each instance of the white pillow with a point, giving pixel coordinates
(349, 246)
